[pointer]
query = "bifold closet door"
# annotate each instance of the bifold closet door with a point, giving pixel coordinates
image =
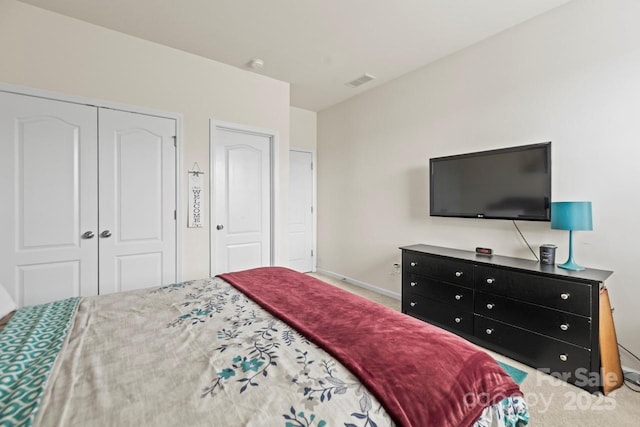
(137, 199)
(49, 201)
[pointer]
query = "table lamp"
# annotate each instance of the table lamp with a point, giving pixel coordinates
(571, 216)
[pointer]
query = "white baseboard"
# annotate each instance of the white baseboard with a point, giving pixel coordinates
(391, 294)
(631, 375)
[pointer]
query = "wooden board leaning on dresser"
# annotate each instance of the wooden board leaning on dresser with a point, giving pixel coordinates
(546, 317)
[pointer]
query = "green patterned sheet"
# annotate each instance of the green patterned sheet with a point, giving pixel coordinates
(29, 345)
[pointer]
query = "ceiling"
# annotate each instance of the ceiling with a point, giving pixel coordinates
(315, 45)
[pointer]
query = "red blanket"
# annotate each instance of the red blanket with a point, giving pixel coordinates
(423, 375)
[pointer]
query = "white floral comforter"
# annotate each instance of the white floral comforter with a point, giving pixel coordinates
(202, 353)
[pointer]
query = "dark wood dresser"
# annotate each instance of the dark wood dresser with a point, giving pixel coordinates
(540, 315)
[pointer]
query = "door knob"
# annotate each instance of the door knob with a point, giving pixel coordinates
(105, 233)
(88, 235)
(219, 227)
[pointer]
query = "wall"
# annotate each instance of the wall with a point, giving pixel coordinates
(304, 132)
(41, 49)
(570, 76)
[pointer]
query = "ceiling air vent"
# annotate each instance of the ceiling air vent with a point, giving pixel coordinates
(360, 80)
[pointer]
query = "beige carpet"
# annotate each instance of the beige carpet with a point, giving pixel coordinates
(551, 402)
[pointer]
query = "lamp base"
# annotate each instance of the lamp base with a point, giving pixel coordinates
(570, 265)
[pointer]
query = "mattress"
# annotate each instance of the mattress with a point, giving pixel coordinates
(265, 347)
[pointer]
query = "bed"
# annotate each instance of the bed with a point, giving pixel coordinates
(261, 347)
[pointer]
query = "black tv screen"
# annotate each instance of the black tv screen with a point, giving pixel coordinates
(510, 183)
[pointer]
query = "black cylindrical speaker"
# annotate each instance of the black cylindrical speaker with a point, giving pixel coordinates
(548, 254)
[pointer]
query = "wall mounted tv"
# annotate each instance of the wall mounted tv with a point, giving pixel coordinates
(510, 183)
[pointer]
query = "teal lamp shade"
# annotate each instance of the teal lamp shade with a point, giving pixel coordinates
(571, 216)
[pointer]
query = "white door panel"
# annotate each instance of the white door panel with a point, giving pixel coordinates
(300, 211)
(46, 282)
(244, 256)
(47, 162)
(137, 188)
(244, 186)
(134, 271)
(48, 167)
(137, 185)
(242, 200)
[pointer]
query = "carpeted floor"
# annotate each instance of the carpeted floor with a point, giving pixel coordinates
(551, 402)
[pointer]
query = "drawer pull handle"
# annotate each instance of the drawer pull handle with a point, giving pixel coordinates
(459, 273)
(490, 281)
(564, 357)
(413, 263)
(412, 304)
(565, 296)
(489, 331)
(458, 320)
(458, 297)
(564, 326)
(413, 284)
(490, 306)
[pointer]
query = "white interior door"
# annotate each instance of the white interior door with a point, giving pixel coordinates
(49, 209)
(241, 214)
(301, 210)
(137, 226)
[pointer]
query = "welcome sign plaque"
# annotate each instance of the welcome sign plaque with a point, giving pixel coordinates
(196, 203)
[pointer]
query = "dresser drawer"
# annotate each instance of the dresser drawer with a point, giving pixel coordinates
(573, 297)
(456, 296)
(448, 270)
(543, 316)
(558, 324)
(547, 354)
(443, 315)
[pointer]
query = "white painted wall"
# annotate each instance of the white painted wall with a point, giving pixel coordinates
(41, 49)
(571, 76)
(304, 128)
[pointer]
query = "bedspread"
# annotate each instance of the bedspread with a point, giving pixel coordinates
(197, 353)
(424, 375)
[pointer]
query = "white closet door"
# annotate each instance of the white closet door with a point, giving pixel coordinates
(300, 210)
(137, 188)
(48, 214)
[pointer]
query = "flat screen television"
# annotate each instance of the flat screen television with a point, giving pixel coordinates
(510, 183)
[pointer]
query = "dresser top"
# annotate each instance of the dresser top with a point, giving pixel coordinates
(516, 263)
